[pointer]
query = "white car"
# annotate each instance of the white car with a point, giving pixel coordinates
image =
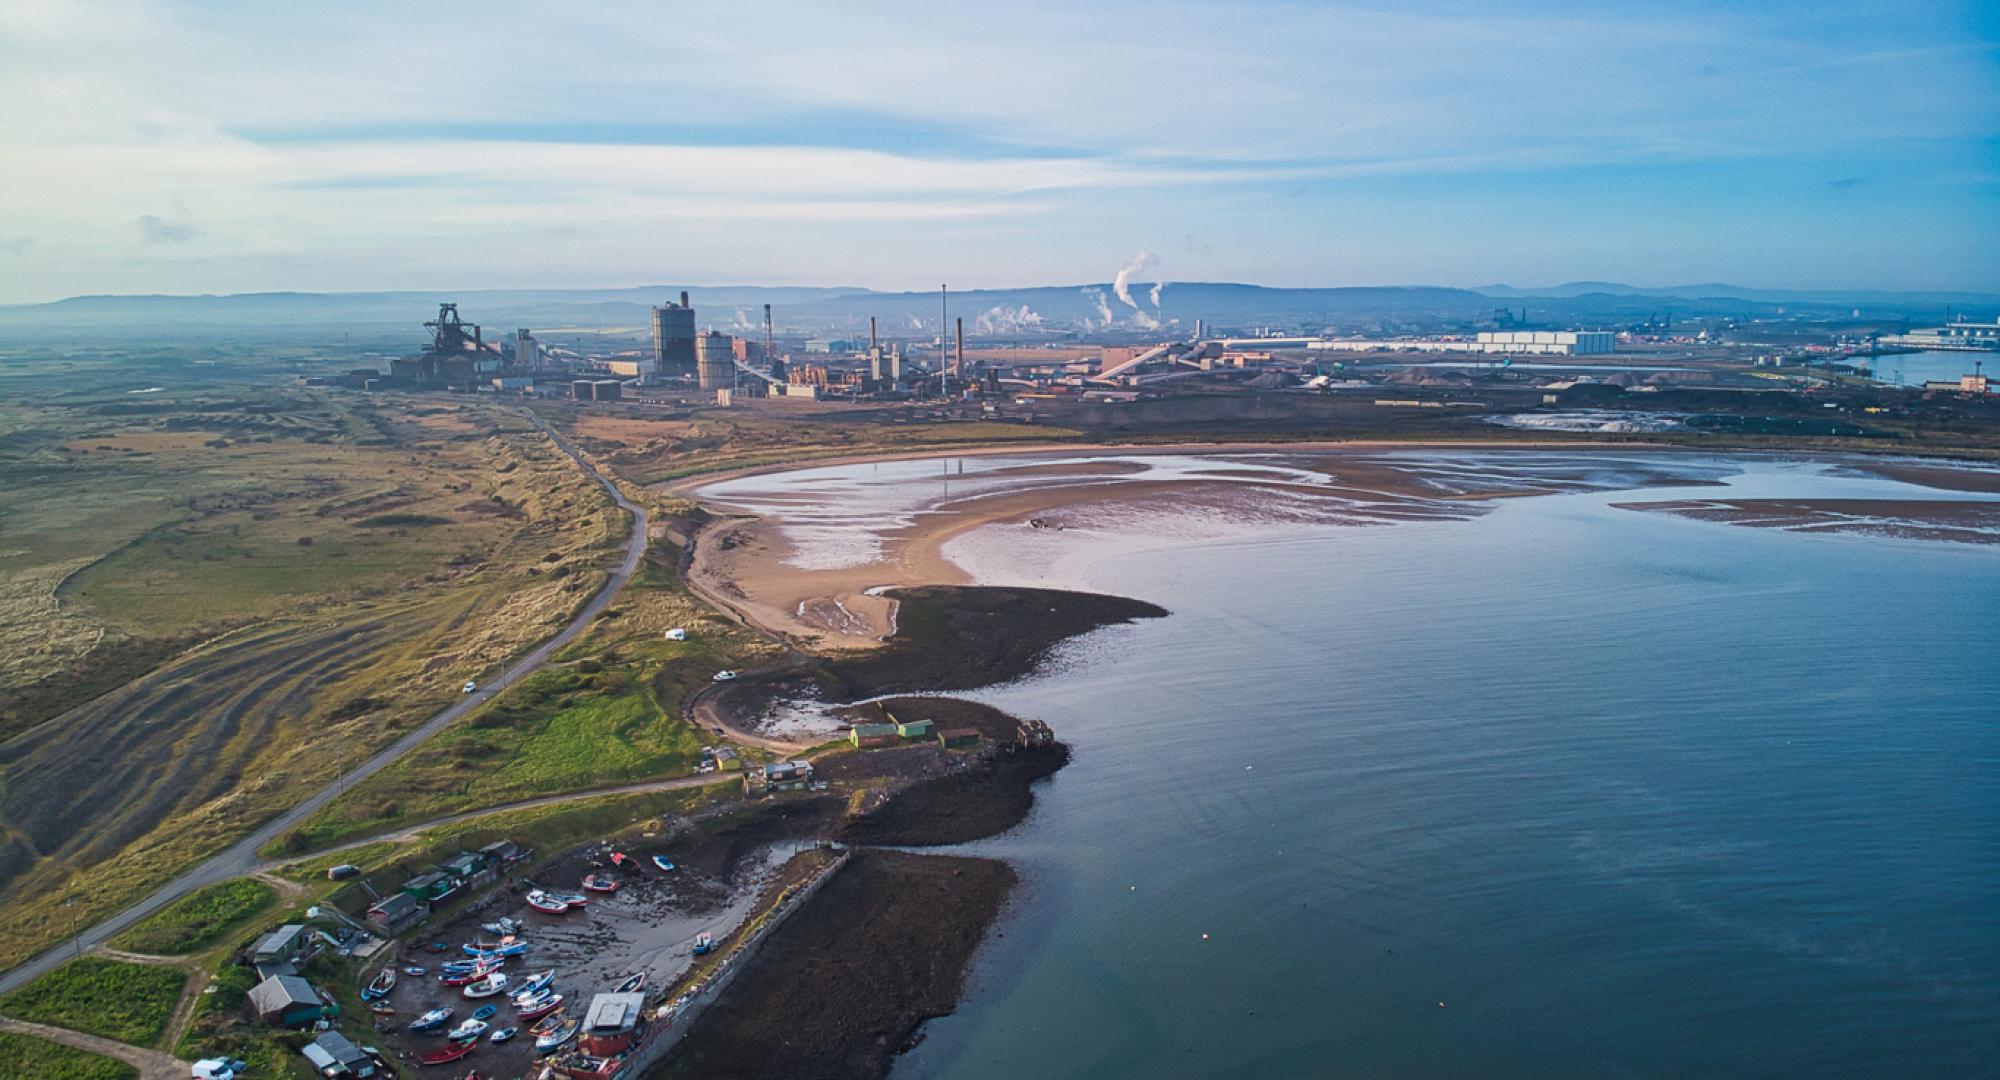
(724, 676)
(470, 686)
(677, 634)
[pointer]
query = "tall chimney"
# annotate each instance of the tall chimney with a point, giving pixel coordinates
(958, 366)
(684, 298)
(871, 332)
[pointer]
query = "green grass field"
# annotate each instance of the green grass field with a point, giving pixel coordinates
(37, 1059)
(198, 920)
(113, 998)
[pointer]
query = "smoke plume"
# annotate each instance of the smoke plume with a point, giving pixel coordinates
(1122, 285)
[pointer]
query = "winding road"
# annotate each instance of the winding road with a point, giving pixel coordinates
(241, 857)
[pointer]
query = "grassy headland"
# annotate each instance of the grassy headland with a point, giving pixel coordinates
(26, 1056)
(113, 998)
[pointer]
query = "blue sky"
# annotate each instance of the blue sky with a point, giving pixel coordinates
(222, 147)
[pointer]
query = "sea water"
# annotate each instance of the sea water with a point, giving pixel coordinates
(1565, 790)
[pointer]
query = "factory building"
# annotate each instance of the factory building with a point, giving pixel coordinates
(715, 359)
(673, 340)
(1960, 335)
(1549, 342)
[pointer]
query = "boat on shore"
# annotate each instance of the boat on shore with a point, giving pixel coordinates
(540, 1008)
(704, 943)
(634, 981)
(432, 1019)
(664, 865)
(533, 985)
(545, 903)
(490, 986)
(448, 1053)
(469, 1030)
(554, 1040)
(502, 927)
(380, 986)
(573, 899)
(600, 883)
(507, 946)
(467, 978)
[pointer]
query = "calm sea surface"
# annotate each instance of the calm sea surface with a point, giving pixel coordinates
(1565, 790)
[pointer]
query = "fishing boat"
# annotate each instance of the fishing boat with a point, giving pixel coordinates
(661, 862)
(554, 1040)
(546, 904)
(432, 1019)
(548, 1024)
(634, 981)
(619, 859)
(485, 1012)
(469, 1030)
(534, 984)
(379, 987)
(382, 1008)
(490, 986)
(502, 927)
(467, 978)
(600, 883)
(541, 1008)
(415, 971)
(507, 946)
(501, 1035)
(704, 943)
(448, 1053)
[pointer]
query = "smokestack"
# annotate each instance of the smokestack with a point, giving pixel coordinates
(958, 365)
(871, 333)
(944, 319)
(684, 298)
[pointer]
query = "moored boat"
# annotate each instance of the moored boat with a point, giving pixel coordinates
(546, 904)
(501, 1035)
(535, 984)
(634, 981)
(506, 946)
(600, 883)
(501, 927)
(661, 862)
(704, 943)
(548, 1024)
(485, 1012)
(573, 899)
(470, 1029)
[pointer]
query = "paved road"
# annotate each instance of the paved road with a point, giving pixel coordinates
(152, 1064)
(241, 857)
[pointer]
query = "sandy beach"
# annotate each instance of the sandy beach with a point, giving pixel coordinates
(751, 561)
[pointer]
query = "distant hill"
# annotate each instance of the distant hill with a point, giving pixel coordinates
(1832, 297)
(394, 318)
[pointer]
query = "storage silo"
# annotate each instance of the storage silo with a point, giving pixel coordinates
(715, 359)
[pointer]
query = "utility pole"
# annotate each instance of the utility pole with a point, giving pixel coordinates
(75, 938)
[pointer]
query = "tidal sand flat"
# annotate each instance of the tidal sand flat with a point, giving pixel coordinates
(1481, 774)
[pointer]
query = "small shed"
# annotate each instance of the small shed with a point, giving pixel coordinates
(872, 734)
(612, 1024)
(727, 760)
(914, 729)
(780, 776)
(502, 852)
(289, 1001)
(395, 913)
(430, 888)
(288, 944)
(334, 1055)
(958, 738)
(463, 865)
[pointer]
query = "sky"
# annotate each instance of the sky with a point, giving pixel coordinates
(212, 147)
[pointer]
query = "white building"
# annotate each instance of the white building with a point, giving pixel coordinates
(1548, 342)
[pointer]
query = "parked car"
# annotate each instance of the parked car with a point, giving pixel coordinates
(470, 686)
(724, 675)
(343, 871)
